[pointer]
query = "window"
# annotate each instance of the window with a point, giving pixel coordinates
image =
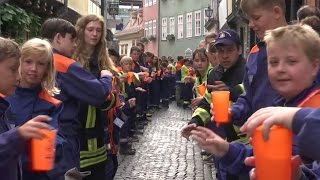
(94, 7)
(164, 29)
(154, 27)
(150, 2)
(189, 24)
(154, 2)
(197, 16)
(150, 28)
(146, 3)
(146, 28)
(205, 20)
(180, 26)
(172, 25)
(124, 49)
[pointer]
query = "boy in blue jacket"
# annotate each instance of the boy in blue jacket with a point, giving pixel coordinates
(292, 73)
(76, 85)
(13, 139)
(263, 15)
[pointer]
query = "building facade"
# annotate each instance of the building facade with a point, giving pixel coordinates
(231, 16)
(151, 26)
(181, 26)
(132, 33)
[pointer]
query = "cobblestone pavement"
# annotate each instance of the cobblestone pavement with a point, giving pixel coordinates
(162, 153)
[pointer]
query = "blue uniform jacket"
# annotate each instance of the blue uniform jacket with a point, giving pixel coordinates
(11, 146)
(27, 104)
(77, 85)
(259, 93)
(234, 159)
(305, 125)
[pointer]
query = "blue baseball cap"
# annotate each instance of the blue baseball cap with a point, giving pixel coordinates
(227, 37)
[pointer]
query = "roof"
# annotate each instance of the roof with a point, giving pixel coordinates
(135, 24)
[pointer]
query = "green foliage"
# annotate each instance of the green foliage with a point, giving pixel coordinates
(16, 22)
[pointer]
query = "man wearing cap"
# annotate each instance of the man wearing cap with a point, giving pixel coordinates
(227, 76)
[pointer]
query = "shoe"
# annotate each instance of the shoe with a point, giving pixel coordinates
(133, 139)
(209, 158)
(139, 132)
(140, 126)
(148, 114)
(126, 150)
(205, 153)
(185, 106)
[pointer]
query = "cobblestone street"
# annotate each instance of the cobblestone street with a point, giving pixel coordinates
(162, 153)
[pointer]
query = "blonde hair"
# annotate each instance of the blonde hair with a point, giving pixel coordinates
(80, 54)
(41, 48)
(248, 5)
(302, 36)
(9, 49)
(125, 59)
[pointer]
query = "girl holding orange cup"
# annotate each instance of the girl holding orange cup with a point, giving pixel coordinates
(33, 97)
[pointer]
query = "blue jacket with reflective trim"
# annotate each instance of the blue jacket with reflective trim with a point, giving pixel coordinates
(77, 85)
(27, 104)
(259, 93)
(11, 146)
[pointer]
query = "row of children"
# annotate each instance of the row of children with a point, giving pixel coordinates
(281, 70)
(81, 98)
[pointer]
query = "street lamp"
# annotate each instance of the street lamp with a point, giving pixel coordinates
(208, 12)
(211, 21)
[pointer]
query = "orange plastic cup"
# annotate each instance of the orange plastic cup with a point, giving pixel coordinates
(130, 77)
(202, 89)
(43, 151)
(220, 100)
(273, 157)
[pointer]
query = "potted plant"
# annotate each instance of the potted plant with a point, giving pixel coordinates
(144, 39)
(170, 37)
(152, 38)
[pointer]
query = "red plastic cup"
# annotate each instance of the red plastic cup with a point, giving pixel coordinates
(273, 157)
(130, 77)
(202, 89)
(221, 103)
(43, 151)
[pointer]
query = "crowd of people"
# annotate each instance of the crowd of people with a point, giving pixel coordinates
(278, 85)
(100, 101)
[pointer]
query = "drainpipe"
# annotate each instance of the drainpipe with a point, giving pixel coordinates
(293, 10)
(103, 4)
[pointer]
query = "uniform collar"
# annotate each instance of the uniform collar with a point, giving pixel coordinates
(280, 101)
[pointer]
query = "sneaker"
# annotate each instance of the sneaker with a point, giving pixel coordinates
(140, 126)
(205, 153)
(133, 139)
(148, 114)
(126, 150)
(209, 158)
(139, 132)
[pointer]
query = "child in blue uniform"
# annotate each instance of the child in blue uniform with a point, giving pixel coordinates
(13, 139)
(76, 85)
(91, 53)
(34, 97)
